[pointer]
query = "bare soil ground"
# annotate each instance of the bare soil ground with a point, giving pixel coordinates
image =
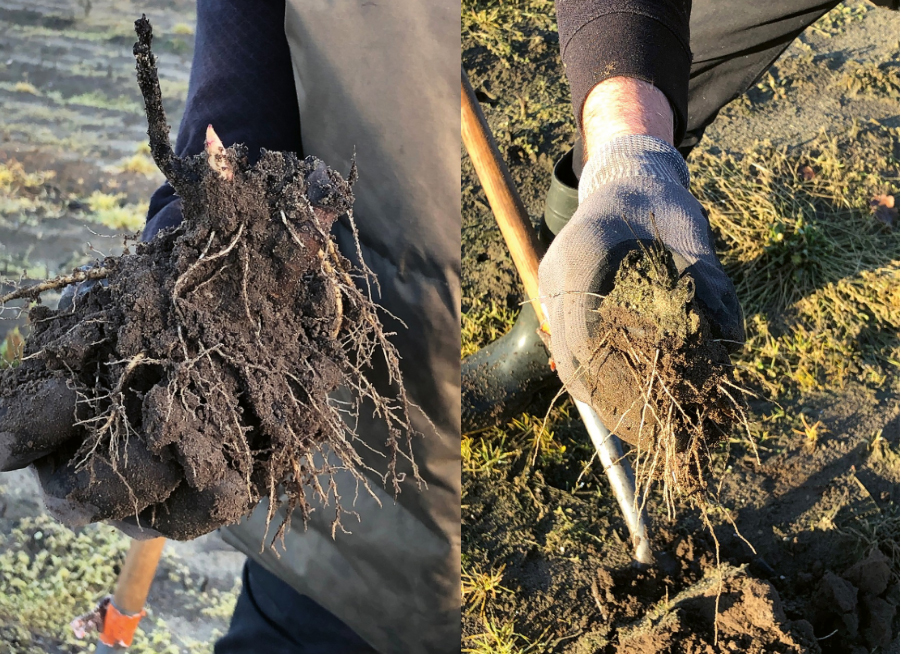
(798, 175)
(75, 169)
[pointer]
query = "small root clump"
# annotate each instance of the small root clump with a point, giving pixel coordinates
(657, 377)
(203, 363)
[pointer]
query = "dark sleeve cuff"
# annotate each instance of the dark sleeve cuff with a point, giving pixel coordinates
(241, 83)
(164, 212)
(598, 42)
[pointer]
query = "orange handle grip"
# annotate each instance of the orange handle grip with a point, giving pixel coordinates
(119, 628)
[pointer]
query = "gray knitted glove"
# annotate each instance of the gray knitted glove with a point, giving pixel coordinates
(621, 186)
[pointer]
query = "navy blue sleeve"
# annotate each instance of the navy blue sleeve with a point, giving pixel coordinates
(644, 39)
(242, 83)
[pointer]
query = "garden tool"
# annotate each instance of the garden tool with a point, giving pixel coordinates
(116, 617)
(525, 249)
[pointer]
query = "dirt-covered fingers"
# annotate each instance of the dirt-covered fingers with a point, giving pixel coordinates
(189, 513)
(105, 489)
(34, 421)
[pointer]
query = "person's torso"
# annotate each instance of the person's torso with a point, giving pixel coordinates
(377, 81)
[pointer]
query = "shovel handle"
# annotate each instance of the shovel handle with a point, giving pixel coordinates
(137, 574)
(509, 211)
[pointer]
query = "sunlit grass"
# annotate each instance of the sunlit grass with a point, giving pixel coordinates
(139, 164)
(483, 323)
(501, 638)
(26, 87)
(816, 272)
(479, 586)
(11, 349)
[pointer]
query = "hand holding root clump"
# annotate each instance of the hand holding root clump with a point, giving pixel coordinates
(657, 376)
(195, 381)
(642, 315)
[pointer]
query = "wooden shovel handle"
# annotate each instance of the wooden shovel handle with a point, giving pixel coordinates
(516, 228)
(137, 574)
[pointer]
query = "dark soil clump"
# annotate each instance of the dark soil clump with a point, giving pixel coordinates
(658, 378)
(743, 614)
(202, 365)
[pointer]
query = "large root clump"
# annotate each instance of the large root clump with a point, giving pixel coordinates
(657, 376)
(205, 360)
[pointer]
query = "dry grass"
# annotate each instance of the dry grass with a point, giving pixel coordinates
(815, 270)
(505, 28)
(500, 637)
(26, 87)
(113, 211)
(11, 348)
(479, 586)
(21, 190)
(139, 164)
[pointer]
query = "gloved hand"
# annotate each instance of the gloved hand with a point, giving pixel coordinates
(629, 180)
(145, 498)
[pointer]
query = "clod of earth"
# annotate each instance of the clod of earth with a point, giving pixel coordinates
(202, 366)
(657, 376)
(745, 615)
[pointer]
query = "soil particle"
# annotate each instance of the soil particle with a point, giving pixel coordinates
(836, 595)
(835, 603)
(859, 604)
(872, 575)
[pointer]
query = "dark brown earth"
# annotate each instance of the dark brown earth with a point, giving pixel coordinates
(567, 570)
(202, 366)
(657, 376)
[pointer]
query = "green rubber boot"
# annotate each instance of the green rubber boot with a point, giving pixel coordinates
(501, 380)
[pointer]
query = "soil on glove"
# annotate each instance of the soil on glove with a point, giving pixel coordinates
(657, 376)
(203, 362)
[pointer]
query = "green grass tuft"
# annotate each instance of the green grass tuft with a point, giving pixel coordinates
(482, 324)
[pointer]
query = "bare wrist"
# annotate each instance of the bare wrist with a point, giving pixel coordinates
(621, 106)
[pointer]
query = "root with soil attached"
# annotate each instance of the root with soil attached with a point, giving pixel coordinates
(657, 376)
(215, 346)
